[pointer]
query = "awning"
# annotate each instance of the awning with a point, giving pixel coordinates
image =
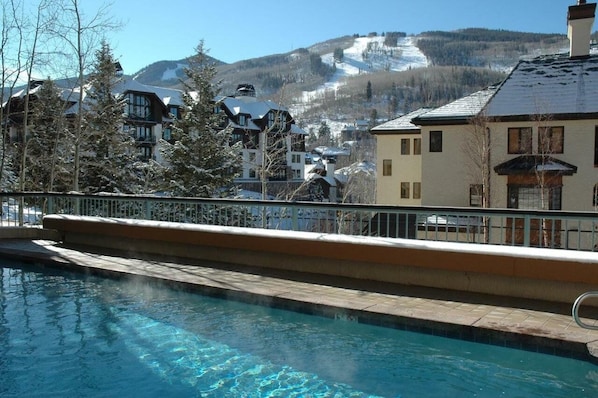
(532, 164)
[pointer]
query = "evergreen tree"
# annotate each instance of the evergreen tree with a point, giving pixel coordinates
(338, 54)
(324, 134)
(368, 91)
(373, 119)
(201, 162)
(107, 153)
(49, 150)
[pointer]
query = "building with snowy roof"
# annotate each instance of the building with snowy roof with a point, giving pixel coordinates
(530, 142)
(273, 145)
(266, 130)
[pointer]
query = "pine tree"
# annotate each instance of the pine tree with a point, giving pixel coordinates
(107, 153)
(324, 134)
(201, 162)
(49, 150)
(368, 91)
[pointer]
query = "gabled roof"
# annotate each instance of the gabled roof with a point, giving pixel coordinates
(548, 85)
(401, 124)
(530, 164)
(459, 111)
(555, 85)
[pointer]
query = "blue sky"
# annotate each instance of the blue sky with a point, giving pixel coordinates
(234, 30)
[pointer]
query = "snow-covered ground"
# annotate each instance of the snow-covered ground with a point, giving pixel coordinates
(369, 54)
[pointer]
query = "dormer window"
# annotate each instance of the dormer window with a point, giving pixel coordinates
(242, 120)
(174, 112)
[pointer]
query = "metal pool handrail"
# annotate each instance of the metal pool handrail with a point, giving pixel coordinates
(575, 310)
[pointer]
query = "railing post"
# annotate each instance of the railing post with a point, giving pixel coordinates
(50, 209)
(294, 218)
(526, 230)
(148, 213)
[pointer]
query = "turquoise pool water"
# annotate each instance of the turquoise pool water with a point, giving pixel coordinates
(67, 335)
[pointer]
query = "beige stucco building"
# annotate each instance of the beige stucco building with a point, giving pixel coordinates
(530, 142)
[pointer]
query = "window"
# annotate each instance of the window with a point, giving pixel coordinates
(252, 173)
(295, 158)
(242, 120)
(253, 140)
(296, 174)
(174, 112)
(595, 196)
(236, 136)
(141, 133)
(167, 134)
(298, 142)
(138, 107)
(475, 195)
(435, 141)
(417, 190)
(252, 158)
(405, 190)
(534, 197)
(144, 152)
(550, 140)
(282, 121)
(404, 146)
(520, 140)
(417, 146)
(387, 167)
(271, 119)
(596, 146)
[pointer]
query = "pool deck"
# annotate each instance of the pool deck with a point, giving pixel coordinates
(526, 324)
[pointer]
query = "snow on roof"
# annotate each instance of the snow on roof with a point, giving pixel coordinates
(463, 108)
(298, 130)
(343, 174)
(168, 96)
(249, 105)
(555, 84)
(331, 151)
(402, 124)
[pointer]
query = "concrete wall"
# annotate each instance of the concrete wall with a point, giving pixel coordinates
(28, 233)
(545, 274)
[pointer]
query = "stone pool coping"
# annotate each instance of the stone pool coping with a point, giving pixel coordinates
(518, 323)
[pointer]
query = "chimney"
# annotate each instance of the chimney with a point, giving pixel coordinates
(579, 22)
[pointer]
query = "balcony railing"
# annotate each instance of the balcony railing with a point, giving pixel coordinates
(549, 229)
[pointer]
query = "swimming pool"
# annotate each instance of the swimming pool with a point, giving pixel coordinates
(65, 334)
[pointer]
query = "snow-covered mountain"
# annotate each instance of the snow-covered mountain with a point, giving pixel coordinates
(367, 55)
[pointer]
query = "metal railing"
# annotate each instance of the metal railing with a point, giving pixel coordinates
(575, 310)
(550, 229)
